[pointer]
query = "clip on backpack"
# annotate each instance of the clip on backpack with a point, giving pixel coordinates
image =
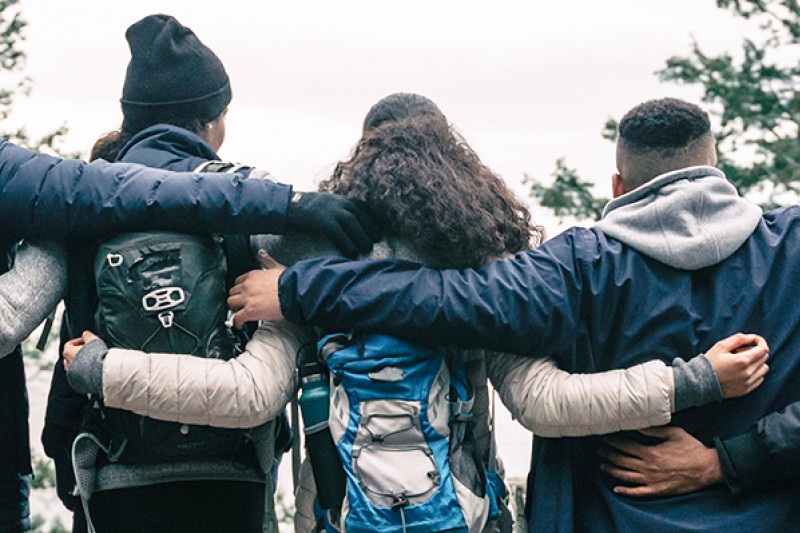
(400, 417)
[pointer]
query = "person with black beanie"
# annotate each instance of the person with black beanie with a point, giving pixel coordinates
(173, 78)
(174, 101)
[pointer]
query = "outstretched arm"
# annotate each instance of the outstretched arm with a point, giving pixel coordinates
(43, 196)
(243, 392)
(551, 402)
(526, 305)
(30, 291)
(554, 403)
(56, 198)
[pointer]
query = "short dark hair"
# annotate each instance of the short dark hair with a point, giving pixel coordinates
(664, 123)
(661, 136)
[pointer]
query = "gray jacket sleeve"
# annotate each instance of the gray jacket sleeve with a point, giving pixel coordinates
(30, 290)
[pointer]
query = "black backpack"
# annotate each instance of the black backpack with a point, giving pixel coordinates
(163, 292)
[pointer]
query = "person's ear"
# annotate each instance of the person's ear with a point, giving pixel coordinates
(617, 185)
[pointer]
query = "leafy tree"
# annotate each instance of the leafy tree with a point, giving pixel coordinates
(755, 96)
(16, 84)
(568, 195)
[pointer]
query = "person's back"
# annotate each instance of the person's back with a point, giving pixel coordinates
(686, 311)
(679, 261)
(404, 169)
(148, 458)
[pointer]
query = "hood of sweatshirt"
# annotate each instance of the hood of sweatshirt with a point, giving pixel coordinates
(689, 219)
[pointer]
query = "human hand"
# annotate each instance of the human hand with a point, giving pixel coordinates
(740, 362)
(255, 294)
(71, 348)
(347, 224)
(678, 465)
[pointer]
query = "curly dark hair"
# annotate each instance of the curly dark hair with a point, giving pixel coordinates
(664, 123)
(423, 183)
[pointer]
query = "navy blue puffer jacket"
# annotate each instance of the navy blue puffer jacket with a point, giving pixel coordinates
(43, 196)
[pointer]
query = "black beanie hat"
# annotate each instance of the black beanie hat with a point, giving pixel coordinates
(171, 73)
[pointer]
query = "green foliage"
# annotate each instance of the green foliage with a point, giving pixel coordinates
(755, 96)
(12, 63)
(568, 195)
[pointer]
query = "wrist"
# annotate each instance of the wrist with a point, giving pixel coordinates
(85, 374)
(296, 211)
(696, 382)
(712, 473)
(282, 297)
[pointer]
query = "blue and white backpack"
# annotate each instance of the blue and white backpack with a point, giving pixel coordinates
(400, 418)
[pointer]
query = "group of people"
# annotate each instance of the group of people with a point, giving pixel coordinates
(629, 325)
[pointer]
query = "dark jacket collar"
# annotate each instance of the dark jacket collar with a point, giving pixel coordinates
(167, 146)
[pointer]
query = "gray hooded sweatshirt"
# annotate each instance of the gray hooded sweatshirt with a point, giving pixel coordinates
(684, 227)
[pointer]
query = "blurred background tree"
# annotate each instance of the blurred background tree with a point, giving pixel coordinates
(15, 84)
(754, 97)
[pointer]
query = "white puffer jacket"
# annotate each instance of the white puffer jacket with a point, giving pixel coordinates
(243, 392)
(553, 403)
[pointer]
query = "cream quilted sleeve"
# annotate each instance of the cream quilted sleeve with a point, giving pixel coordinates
(553, 403)
(239, 393)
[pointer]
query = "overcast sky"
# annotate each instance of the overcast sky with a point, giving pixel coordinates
(526, 82)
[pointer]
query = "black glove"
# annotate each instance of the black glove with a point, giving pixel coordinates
(348, 225)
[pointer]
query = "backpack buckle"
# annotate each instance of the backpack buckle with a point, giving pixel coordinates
(166, 318)
(163, 298)
(114, 260)
(460, 411)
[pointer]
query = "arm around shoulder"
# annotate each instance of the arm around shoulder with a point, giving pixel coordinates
(44, 196)
(554, 403)
(502, 306)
